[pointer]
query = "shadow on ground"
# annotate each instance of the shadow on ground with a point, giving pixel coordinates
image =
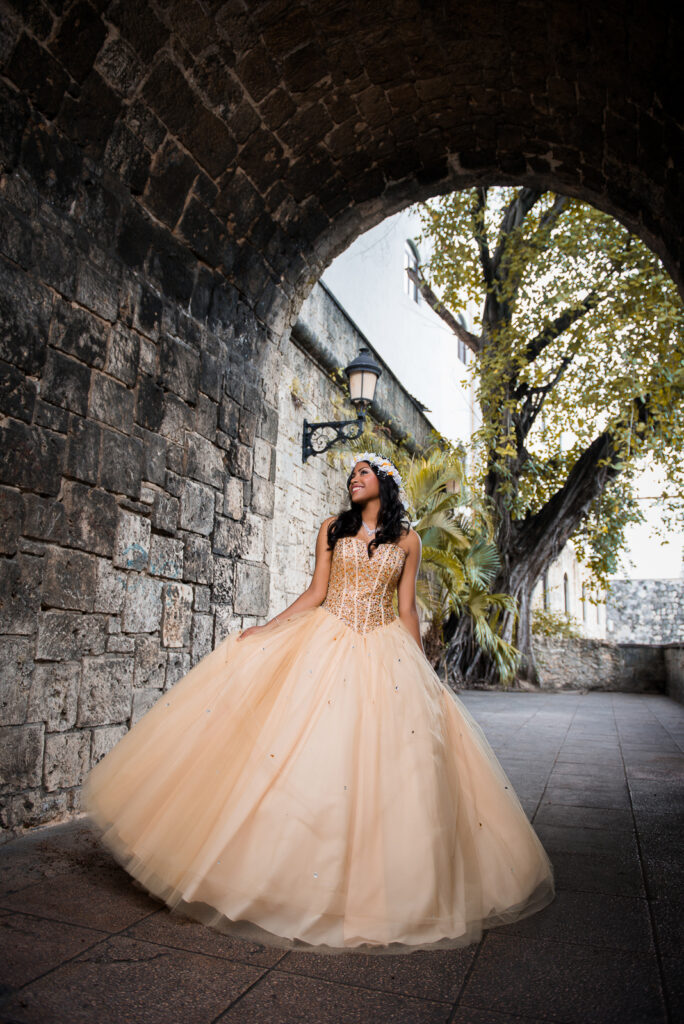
(600, 776)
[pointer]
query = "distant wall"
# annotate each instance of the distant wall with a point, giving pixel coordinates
(674, 665)
(646, 611)
(569, 664)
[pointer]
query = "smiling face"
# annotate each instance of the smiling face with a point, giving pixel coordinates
(363, 483)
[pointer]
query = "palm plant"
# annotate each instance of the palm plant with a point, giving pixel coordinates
(459, 558)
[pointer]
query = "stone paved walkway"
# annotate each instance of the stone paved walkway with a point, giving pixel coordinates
(600, 776)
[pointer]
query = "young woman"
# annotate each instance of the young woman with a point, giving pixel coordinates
(311, 784)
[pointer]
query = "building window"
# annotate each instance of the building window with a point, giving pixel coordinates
(584, 602)
(566, 593)
(412, 262)
(545, 591)
(462, 351)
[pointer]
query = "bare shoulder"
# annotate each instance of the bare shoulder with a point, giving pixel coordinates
(326, 523)
(411, 542)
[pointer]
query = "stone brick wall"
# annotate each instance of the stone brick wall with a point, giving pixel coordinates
(649, 611)
(173, 179)
(571, 664)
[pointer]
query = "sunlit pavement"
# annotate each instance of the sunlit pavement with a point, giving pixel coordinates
(600, 776)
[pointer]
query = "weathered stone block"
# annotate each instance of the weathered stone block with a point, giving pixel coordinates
(239, 461)
(30, 457)
(148, 313)
(179, 368)
(111, 403)
(171, 177)
(233, 497)
(19, 593)
(132, 544)
(69, 580)
(25, 310)
(177, 620)
(66, 382)
(121, 464)
(262, 458)
(202, 636)
(268, 424)
(91, 516)
(178, 417)
(97, 291)
(35, 807)
(150, 407)
(142, 605)
(197, 508)
(17, 393)
(229, 416)
(206, 418)
(120, 643)
(110, 587)
(143, 700)
(106, 688)
(79, 334)
(225, 622)
(202, 599)
(166, 557)
(154, 458)
(211, 376)
(252, 583)
(53, 695)
(204, 461)
(103, 739)
(263, 496)
(254, 538)
(45, 519)
(228, 537)
(165, 510)
(11, 520)
(150, 662)
(16, 671)
(83, 450)
(21, 755)
(223, 583)
(67, 759)
(178, 666)
(64, 636)
(122, 355)
(197, 561)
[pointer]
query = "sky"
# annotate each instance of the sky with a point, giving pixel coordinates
(652, 559)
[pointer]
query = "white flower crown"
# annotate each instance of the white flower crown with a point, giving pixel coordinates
(383, 466)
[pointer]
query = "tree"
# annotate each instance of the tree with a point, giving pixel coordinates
(579, 363)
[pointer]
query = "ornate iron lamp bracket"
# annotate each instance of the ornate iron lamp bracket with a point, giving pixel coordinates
(314, 445)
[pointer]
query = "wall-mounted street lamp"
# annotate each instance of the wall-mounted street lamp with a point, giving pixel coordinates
(363, 373)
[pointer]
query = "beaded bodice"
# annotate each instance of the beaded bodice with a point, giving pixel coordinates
(360, 589)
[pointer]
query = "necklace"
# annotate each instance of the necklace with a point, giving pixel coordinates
(371, 532)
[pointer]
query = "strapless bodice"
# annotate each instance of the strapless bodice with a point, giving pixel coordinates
(360, 589)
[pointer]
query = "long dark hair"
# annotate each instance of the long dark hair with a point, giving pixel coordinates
(392, 520)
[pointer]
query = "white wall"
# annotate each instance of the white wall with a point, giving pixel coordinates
(368, 280)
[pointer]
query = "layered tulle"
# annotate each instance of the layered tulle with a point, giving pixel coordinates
(311, 788)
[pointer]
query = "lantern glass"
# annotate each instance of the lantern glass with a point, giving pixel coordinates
(362, 385)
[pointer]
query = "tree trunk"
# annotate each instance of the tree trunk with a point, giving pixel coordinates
(526, 548)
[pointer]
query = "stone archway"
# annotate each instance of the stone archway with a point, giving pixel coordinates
(174, 178)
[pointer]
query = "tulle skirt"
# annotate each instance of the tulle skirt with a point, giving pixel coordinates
(311, 788)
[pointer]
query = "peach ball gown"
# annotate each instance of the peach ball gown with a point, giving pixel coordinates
(315, 786)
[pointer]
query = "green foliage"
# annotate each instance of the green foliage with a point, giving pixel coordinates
(582, 332)
(459, 556)
(554, 624)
